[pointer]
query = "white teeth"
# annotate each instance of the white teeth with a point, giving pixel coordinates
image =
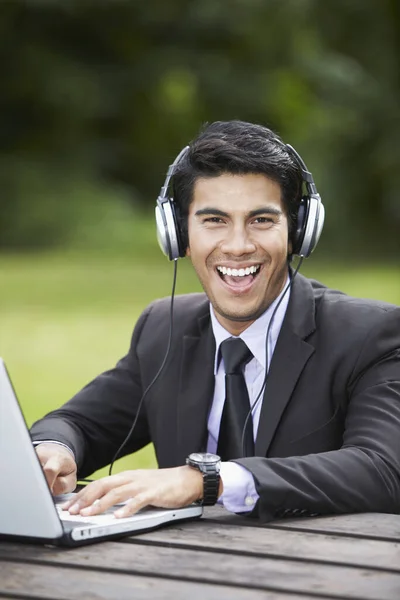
(238, 272)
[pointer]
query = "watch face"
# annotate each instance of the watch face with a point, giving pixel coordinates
(205, 457)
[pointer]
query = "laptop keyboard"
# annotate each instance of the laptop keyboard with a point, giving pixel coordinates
(78, 521)
(106, 518)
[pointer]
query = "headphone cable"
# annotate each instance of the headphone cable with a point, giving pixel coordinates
(261, 392)
(171, 322)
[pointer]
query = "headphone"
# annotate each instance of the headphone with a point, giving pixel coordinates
(309, 222)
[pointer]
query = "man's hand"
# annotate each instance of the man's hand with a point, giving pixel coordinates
(166, 488)
(59, 467)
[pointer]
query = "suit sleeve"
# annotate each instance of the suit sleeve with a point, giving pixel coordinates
(363, 475)
(95, 421)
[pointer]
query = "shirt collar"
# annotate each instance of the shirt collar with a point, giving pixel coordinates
(254, 336)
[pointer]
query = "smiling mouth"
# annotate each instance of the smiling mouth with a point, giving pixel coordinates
(238, 278)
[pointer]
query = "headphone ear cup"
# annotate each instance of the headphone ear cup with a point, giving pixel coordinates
(167, 221)
(300, 221)
(181, 230)
(310, 223)
(161, 230)
(168, 234)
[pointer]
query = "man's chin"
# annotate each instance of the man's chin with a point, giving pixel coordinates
(238, 316)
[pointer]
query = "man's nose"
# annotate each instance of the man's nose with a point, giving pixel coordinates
(238, 242)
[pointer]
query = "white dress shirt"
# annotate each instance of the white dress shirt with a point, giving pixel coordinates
(239, 493)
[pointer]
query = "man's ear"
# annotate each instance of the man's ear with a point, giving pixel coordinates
(187, 253)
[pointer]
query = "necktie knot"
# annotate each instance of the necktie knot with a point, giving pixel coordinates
(235, 354)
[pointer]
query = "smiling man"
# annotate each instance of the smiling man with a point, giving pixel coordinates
(278, 396)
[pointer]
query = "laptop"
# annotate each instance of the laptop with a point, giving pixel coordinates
(29, 512)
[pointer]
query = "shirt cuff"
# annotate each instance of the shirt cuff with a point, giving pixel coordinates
(239, 493)
(38, 442)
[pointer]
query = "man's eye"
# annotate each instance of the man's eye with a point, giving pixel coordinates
(263, 220)
(213, 220)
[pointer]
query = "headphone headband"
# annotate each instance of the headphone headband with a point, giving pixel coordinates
(305, 173)
(171, 171)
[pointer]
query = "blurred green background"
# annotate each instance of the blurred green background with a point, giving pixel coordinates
(98, 97)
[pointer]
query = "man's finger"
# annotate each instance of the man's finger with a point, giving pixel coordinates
(113, 496)
(134, 505)
(92, 492)
(52, 468)
(57, 462)
(64, 484)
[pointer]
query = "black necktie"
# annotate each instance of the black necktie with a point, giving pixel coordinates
(235, 354)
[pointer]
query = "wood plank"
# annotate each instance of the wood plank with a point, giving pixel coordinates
(255, 572)
(38, 581)
(295, 545)
(368, 525)
(371, 525)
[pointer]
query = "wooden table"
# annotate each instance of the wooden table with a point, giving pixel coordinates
(220, 556)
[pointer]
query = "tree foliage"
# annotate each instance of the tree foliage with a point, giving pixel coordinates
(99, 96)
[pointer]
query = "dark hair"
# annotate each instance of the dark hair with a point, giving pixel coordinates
(238, 148)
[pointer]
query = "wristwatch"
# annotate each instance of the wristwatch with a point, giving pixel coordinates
(209, 465)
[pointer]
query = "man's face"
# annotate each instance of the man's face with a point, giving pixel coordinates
(238, 245)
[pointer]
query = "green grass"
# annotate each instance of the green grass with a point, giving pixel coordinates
(66, 317)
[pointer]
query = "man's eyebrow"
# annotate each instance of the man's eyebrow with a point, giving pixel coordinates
(270, 210)
(266, 210)
(211, 211)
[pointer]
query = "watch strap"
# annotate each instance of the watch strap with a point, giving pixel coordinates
(211, 480)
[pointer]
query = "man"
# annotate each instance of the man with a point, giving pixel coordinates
(324, 434)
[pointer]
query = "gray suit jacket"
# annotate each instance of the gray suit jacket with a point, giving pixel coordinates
(329, 433)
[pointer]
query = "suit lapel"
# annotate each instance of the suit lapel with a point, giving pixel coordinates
(290, 357)
(196, 388)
